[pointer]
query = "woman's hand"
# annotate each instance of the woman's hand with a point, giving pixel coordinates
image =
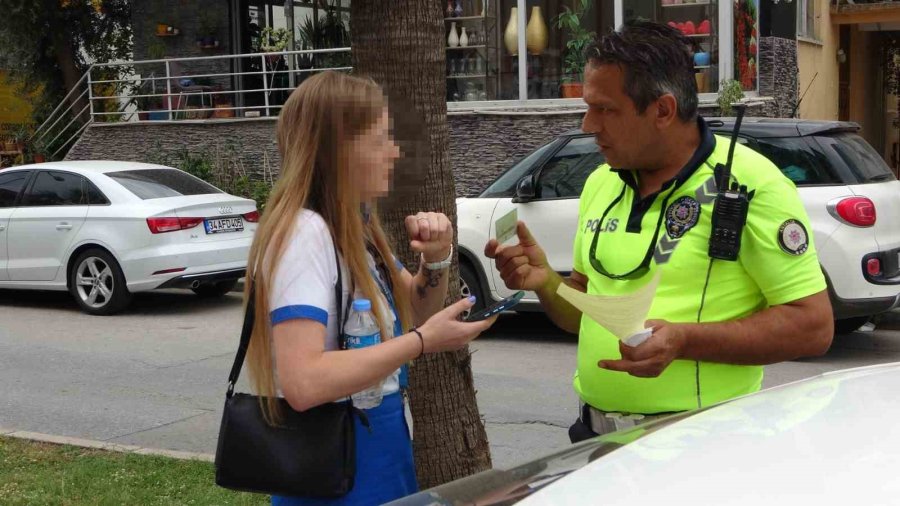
(445, 332)
(430, 234)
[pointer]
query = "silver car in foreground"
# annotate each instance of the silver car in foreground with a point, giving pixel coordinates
(824, 440)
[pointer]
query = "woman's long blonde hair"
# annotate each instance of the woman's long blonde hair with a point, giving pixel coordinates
(315, 129)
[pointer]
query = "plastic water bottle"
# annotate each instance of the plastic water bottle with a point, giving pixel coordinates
(360, 331)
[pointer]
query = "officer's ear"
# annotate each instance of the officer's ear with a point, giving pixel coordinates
(666, 110)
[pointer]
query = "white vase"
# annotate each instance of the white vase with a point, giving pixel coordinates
(453, 39)
(464, 38)
(511, 35)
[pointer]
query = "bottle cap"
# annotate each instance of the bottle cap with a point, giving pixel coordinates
(362, 305)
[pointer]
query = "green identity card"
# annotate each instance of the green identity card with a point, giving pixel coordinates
(505, 227)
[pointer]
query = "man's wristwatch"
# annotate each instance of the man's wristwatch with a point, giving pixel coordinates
(436, 266)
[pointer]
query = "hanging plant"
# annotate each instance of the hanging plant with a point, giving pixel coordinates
(746, 42)
(273, 40)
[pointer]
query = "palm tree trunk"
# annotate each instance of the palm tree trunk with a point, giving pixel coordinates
(400, 44)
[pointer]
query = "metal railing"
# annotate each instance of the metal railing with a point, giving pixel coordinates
(173, 89)
(227, 84)
(66, 123)
(838, 3)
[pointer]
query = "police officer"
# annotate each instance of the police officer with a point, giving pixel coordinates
(649, 212)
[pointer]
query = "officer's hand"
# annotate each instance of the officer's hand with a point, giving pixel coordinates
(650, 358)
(522, 266)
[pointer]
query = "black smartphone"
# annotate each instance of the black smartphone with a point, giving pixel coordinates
(503, 305)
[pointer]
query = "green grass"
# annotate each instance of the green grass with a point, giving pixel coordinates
(42, 473)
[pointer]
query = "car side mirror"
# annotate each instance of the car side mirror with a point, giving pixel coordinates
(525, 190)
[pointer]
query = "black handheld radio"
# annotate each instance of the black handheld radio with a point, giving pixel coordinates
(732, 204)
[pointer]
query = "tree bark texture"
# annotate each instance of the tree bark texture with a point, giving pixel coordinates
(401, 45)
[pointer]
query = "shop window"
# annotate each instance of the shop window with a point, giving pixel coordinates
(746, 43)
(474, 51)
(698, 20)
(557, 32)
(486, 67)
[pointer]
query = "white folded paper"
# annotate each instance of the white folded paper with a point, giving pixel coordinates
(622, 315)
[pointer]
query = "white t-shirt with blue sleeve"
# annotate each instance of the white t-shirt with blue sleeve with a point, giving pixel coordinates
(304, 279)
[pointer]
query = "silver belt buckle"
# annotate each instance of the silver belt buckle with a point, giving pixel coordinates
(603, 422)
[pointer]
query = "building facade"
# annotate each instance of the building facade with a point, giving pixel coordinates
(512, 83)
(849, 62)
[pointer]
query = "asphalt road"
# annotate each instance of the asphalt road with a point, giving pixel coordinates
(155, 376)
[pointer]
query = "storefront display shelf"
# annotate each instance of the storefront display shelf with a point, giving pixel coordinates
(695, 4)
(466, 47)
(467, 18)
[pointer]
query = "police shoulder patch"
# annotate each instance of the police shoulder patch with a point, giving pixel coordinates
(793, 238)
(681, 216)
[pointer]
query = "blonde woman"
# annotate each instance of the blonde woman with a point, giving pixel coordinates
(337, 157)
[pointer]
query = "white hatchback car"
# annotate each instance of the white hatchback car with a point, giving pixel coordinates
(850, 194)
(105, 229)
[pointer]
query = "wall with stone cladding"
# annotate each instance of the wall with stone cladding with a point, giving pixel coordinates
(481, 145)
(252, 140)
(778, 72)
(484, 145)
(186, 16)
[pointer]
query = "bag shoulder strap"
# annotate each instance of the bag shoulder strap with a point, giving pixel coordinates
(250, 317)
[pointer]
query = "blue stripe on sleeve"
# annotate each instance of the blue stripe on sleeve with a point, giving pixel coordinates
(299, 311)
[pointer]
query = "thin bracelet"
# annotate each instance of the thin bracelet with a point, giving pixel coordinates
(421, 340)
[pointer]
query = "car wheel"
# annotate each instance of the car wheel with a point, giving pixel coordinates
(469, 285)
(848, 325)
(97, 283)
(217, 289)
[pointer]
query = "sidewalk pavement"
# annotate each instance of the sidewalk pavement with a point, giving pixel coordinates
(888, 321)
(104, 445)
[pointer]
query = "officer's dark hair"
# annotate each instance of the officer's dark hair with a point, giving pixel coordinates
(656, 60)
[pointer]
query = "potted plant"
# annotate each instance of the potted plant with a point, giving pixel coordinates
(207, 29)
(579, 38)
(273, 40)
(223, 107)
(20, 135)
(329, 31)
(156, 50)
(730, 93)
(35, 149)
(9, 139)
(146, 106)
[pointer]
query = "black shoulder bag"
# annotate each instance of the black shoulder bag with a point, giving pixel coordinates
(309, 454)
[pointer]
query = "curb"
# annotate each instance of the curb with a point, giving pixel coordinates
(104, 445)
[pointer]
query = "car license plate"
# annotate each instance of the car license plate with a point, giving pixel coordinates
(219, 225)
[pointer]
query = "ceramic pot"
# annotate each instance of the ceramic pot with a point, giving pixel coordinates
(511, 35)
(453, 39)
(536, 36)
(571, 90)
(701, 59)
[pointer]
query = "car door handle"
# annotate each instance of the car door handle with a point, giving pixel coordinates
(64, 226)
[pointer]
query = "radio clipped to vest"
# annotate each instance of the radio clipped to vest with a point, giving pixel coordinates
(731, 206)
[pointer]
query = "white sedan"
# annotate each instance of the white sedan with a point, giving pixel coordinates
(827, 440)
(105, 229)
